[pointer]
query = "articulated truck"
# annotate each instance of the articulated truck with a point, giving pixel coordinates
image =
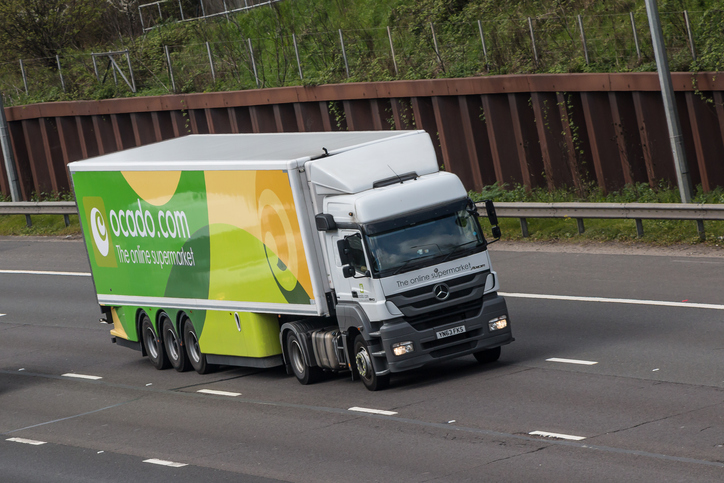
(337, 251)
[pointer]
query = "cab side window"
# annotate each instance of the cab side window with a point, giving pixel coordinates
(355, 253)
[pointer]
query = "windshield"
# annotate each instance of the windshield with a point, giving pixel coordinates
(428, 240)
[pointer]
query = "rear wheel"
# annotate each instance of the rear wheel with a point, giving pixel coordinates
(365, 369)
(174, 347)
(195, 356)
(153, 345)
(488, 356)
(304, 374)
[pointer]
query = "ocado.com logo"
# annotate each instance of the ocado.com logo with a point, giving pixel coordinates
(95, 212)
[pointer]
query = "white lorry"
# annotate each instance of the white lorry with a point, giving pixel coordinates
(344, 251)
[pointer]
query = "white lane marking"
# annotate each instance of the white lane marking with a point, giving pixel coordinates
(2, 315)
(571, 361)
(372, 411)
(26, 441)
(219, 393)
(546, 434)
(660, 303)
(38, 272)
(172, 464)
(81, 376)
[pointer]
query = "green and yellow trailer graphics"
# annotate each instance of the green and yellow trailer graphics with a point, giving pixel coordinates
(222, 247)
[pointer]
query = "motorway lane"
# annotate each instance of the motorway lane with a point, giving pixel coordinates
(455, 422)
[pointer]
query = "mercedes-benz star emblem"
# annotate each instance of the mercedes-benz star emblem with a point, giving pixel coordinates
(441, 291)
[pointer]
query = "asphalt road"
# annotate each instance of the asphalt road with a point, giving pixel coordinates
(651, 408)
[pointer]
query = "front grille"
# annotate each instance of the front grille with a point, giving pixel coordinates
(445, 316)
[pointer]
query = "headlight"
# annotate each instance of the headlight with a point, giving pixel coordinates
(498, 323)
(402, 348)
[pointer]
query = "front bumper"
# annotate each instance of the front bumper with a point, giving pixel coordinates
(429, 349)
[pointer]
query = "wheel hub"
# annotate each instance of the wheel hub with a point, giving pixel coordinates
(364, 365)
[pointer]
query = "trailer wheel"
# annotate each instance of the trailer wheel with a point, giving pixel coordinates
(487, 356)
(195, 356)
(153, 345)
(304, 373)
(174, 347)
(364, 367)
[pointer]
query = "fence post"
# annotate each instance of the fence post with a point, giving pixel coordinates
(8, 157)
(296, 53)
(636, 35)
(95, 67)
(434, 42)
(143, 26)
(203, 10)
(226, 11)
(160, 15)
(532, 40)
(211, 62)
(392, 49)
(170, 68)
(25, 79)
(253, 62)
(583, 38)
(130, 71)
(482, 41)
(182, 10)
(691, 37)
(60, 72)
(344, 54)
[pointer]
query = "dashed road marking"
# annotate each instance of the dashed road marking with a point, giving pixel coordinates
(2, 315)
(81, 376)
(219, 393)
(172, 464)
(26, 441)
(660, 303)
(43, 272)
(373, 411)
(546, 434)
(572, 361)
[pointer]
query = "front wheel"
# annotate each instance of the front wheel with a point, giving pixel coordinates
(304, 373)
(364, 367)
(196, 357)
(488, 356)
(153, 345)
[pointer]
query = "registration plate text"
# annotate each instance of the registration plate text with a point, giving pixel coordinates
(441, 334)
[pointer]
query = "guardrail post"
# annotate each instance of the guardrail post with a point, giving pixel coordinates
(581, 228)
(700, 229)
(639, 228)
(524, 227)
(28, 221)
(66, 218)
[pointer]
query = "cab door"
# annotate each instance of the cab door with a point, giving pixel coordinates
(346, 249)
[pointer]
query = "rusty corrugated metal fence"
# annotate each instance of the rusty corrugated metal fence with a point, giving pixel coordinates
(536, 130)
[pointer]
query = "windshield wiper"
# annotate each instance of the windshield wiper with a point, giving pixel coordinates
(407, 262)
(455, 250)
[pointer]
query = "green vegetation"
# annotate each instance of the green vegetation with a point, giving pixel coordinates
(72, 29)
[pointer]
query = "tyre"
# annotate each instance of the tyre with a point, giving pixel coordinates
(364, 367)
(196, 358)
(487, 356)
(304, 374)
(153, 345)
(174, 347)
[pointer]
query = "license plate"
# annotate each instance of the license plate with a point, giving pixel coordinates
(441, 334)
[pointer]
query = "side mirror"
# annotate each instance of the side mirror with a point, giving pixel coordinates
(348, 271)
(342, 247)
(496, 232)
(490, 208)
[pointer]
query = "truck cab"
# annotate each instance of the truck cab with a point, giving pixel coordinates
(409, 274)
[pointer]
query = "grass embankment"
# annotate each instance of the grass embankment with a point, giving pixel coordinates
(656, 232)
(263, 41)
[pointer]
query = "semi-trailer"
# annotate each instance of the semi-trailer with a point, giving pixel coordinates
(337, 251)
